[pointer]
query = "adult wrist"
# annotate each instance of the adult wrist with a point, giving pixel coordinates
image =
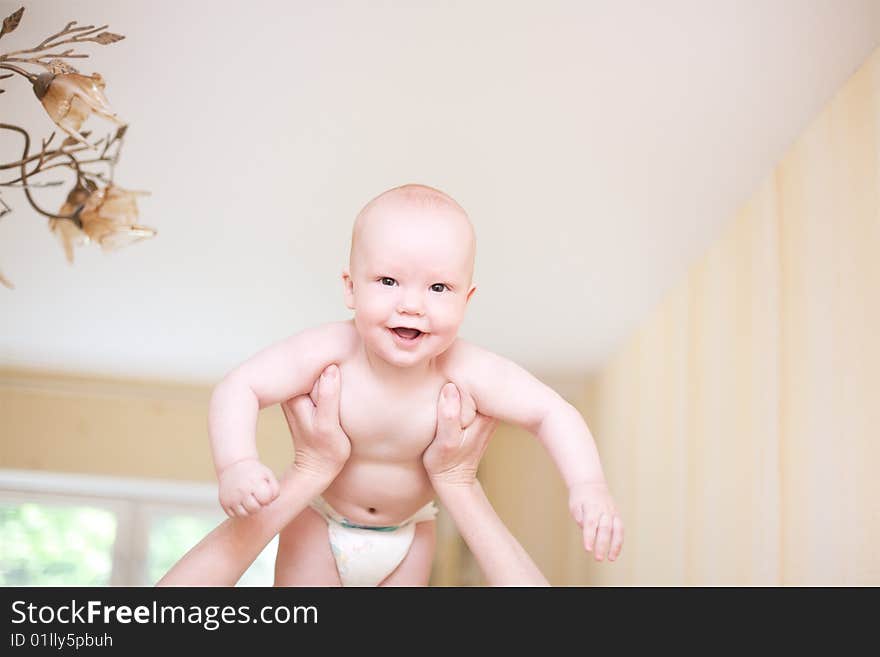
(444, 484)
(317, 470)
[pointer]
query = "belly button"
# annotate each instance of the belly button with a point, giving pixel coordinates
(372, 510)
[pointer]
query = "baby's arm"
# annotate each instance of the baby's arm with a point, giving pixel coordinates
(503, 390)
(284, 370)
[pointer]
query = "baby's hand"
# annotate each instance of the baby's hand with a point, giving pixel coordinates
(245, 487)
(593, 509)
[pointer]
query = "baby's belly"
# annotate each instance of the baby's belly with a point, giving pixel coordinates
(379, 493)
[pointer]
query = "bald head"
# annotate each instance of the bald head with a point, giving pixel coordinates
(418, 207)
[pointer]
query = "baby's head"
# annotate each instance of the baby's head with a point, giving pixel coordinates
(409, 274)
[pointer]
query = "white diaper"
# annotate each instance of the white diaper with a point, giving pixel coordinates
(367, 555)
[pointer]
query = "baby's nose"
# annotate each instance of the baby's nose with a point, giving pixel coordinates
(411, 310)
(411, 304)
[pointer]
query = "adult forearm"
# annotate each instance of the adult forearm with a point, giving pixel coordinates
(565, 435)
(222, 556)
(501, 558)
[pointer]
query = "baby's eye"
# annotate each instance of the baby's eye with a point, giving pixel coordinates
(439, 287)
(385, 280)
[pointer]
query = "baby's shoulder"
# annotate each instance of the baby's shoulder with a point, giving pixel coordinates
(475, 371)
(337, 341)
(466, 362)
(343, 332)
(460, 351)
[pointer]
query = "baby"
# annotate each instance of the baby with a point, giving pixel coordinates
(408, 282)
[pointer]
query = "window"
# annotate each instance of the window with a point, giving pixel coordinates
(55, 544)
(77, 530)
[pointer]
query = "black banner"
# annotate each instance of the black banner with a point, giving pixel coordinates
(103, 620)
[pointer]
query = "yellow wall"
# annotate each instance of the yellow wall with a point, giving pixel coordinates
(740, 426)
(119, 428)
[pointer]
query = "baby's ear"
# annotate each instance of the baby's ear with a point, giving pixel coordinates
(470, 293)
(348, 289)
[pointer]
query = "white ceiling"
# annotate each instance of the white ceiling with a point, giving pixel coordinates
(599, 148)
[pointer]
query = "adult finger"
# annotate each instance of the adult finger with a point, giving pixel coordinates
(298, 411)
(473, 441)
(480, 430)
(327, 415)
(616, 538)
(448, 416)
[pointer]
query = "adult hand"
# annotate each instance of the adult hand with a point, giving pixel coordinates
(451, 461)
(454, 455)
(321, 445)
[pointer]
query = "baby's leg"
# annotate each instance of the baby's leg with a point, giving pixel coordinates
(415, 569)
(304, 557)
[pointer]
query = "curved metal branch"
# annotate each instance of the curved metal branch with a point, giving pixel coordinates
(50, 155)
(30, 76)
(47, 43)
(27, 147)
(67, 54)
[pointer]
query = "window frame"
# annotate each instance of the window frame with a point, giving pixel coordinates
(133, 501)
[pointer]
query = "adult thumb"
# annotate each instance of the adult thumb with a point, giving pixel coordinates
(327, 413)
(449, 414)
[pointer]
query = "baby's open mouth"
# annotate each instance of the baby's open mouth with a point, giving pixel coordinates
(407, 333)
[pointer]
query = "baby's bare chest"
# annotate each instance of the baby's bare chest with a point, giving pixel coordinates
(387, 423)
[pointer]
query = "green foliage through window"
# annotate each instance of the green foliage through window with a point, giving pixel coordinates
(69, 545)
(55, 545)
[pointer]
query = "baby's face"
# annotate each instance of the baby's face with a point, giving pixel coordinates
(410, 280)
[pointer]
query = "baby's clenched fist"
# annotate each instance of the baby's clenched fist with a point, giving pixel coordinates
(245, 487)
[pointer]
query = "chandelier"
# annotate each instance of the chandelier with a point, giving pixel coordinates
(96, 210)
